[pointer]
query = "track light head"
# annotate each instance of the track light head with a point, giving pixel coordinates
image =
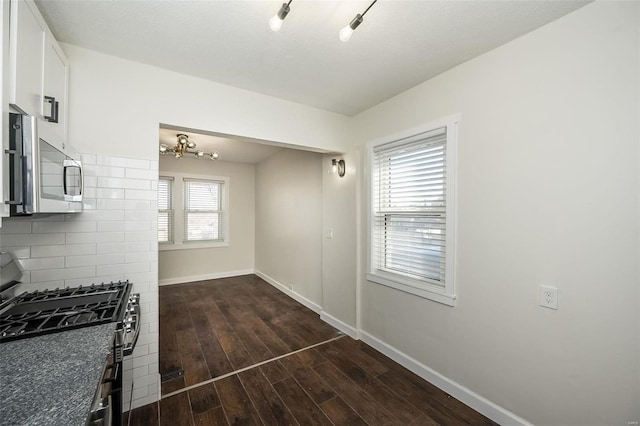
(275, 23)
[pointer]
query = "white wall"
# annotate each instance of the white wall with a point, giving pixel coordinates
(177, 266)
(114, 239)
(548, 194)
(116, 105)
(289, 222)
(339, 266)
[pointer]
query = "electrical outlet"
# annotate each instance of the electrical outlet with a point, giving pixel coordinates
(548, 297)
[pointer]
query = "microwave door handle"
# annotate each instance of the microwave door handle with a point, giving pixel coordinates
(75, 164)
(16, 187)
(30, 166)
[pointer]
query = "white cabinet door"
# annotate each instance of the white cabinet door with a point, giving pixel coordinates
(26, 50)
(56, 80)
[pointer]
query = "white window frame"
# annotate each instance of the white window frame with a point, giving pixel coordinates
(177, 194)
(422, 288)
(170, 212)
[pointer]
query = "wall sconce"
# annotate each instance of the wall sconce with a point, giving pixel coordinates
(338, 166)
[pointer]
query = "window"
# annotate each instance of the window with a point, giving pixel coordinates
(200, 220)
(412, 211)
(203, 210)
(165, 212)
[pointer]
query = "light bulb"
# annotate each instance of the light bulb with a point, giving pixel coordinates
(275, 23)
(345, 33)
(200, 154)
(163, 149)
(334, 166)
(215, 156)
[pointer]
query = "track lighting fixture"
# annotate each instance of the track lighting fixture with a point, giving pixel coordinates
(345, 33)
(185, 146)
(275, 23)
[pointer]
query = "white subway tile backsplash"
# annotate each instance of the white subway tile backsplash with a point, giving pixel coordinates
(138, 194)
(16, 226)
(97, 215)
(109, 204)
(63, 250)
(100, 259)
(75, 226)
(90, 182)
(19, 252)
(113, 226)
(140, 371)
(123, 162)
(111, 193)
(138, 215)
(32, 239)
(141, 205)
(126, 247)
(88, 159)
(109, 237)
(106, 171)
(109, 182)
(81, 238)
(140, 235)
(151, 175)
(43, 263)
(138, 225)
(63, 274)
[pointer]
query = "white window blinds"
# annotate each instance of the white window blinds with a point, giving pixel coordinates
(409, 207)
(165, 210)
(203, 210)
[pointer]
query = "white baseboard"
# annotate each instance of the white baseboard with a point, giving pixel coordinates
(213, 276)
(289, 292)
(467, 396)
(340, 325)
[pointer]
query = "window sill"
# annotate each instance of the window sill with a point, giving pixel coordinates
(424, 290)
(191, 246)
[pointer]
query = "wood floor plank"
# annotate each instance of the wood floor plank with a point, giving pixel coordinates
(268, 404)
(195, 368)
(308, 379)
(143, 416)
(423, 390)
(361, 402)
(173, 385)
(213, 417)
(274, 371)
(176, 411)
(204, 398)
(215, 358)
(397, 406)
(302, 407)
(340, 413)
(237, 406)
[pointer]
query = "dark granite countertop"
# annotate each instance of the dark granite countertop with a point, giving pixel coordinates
(52, 379)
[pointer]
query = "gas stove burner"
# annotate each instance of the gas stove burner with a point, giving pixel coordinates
(50, 311)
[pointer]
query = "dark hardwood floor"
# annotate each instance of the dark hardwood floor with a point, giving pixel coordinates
(217, 327)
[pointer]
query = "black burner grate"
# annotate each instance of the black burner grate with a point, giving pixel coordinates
(50, 311)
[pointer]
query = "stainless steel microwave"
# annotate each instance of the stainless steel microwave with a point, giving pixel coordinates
(42, 178)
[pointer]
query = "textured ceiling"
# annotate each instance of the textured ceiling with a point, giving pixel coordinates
(399, 45)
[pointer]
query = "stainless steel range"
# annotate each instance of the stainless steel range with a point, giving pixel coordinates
(53, 311)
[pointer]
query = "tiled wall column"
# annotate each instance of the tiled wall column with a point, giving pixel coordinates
(114, 238)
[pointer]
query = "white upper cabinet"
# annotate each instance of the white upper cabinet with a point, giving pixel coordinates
(38, 71)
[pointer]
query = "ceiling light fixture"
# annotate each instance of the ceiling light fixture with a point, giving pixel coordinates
(275, 23)
(338, 166)
(185, 146)
(345, 33)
